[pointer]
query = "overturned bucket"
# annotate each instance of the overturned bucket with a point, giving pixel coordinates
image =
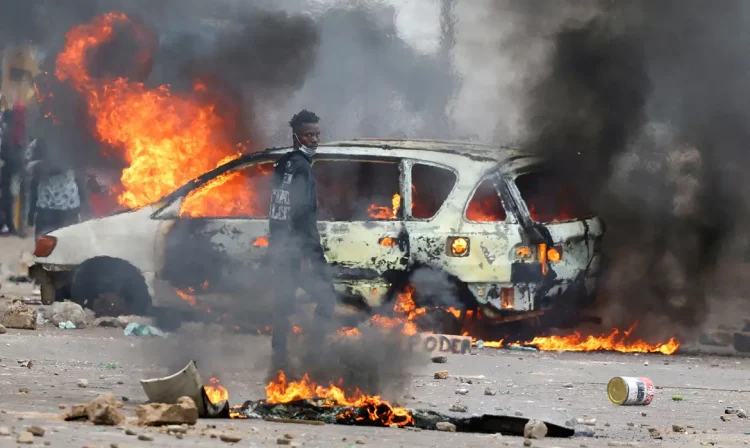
(185, 383)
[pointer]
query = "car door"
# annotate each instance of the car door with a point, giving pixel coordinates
(360, 220)
(213, 240)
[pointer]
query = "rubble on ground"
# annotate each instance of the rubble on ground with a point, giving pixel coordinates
(102, 410)
(19, 316)
(441, 375)
(184, 411)
(66, 312)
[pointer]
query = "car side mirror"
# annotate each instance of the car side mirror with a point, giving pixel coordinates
(171, 211)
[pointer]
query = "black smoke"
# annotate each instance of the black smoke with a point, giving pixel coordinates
(643, 109)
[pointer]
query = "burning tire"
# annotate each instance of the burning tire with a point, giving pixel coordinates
(114, 281)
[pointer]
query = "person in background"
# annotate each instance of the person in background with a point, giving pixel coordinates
(11, 156)
(60, 191)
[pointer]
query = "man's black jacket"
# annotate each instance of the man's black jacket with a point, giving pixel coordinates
(293, 216)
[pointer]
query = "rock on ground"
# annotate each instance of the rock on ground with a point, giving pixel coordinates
(158, 414)
(445, 426)
(19, 316)
(25, 437)
(535, 429)
(66, 312)
(441, 375)
(104, 410)
(3, 330)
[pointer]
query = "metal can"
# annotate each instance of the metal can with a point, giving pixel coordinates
(630, 391)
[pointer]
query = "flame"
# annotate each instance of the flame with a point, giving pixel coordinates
(166, 139)
(387, 241)
(348, 331)
(215, 392)
(384, 212)
(260, 242)
(187, 295)
(615, 341)
(378, 410)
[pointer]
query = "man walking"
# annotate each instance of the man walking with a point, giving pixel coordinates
(294, 239)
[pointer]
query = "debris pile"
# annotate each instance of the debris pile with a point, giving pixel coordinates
(102, 410)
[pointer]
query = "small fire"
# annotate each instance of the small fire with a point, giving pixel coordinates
(215, 392)
(187, 295)
(260, 242)
(383, 212)
(378, 410)
(616, 341)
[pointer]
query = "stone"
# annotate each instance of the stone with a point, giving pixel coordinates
(158, 414)
(104, 410)
(19, 316)
(82, 383)
(142, 320)
(23, 390)
(130, 432)
(177, 429)
(527, 442)
(725, 418)
(445, 426)
(36, 430)
(568, 385)
(441, 375)
(230, 438)
(4, 431)
(654, 433)
(25, 437)
(490, 391)
(741, 413)
(741, 342)
(283, 441)
(730, 410)
(678, 428)
(458, 407)
(77, 412)
(461, 391)
(145, 437)
(439, 359)
(535, 429)
(3, 330)
(61, 312)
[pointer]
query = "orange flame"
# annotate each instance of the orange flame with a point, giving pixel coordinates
(261, 241)
(215, 392)
(383, 212)
(378, 410)
(615, 341)
(167, 139)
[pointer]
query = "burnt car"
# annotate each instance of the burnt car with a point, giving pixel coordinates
(493, 220)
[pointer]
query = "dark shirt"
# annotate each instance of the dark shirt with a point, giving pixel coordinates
(293, 217)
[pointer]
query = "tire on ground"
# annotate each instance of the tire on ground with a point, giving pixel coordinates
(113, 280)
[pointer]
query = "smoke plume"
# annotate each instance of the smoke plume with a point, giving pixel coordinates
(641, 106)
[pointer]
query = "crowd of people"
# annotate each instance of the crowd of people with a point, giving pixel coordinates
(35, 176)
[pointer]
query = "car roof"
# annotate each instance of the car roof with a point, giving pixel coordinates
(474, 151)
(511, 158)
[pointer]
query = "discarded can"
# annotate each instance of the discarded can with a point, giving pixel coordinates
(630, 391)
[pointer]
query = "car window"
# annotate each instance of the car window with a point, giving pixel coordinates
(549, 198)
(357, 190)
(430, 188)
(485, 204)
(242, 193)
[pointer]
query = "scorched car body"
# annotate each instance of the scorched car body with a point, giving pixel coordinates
(464, 215)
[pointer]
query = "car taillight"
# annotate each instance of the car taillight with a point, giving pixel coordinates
(458, 246)
(44, 246)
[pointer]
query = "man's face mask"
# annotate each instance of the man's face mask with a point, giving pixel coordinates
(306, 149)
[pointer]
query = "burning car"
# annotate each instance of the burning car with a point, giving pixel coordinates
(495, 221)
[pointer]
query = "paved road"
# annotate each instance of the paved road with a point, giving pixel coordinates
(531, 383)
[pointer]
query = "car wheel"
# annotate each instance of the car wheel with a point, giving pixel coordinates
(110, 286)
(50, 294)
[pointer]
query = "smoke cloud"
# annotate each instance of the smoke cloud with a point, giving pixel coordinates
(641, 106)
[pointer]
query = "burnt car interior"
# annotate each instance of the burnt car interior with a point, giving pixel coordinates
(549, 198)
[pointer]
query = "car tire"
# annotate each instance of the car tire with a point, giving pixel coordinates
(104, 278)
